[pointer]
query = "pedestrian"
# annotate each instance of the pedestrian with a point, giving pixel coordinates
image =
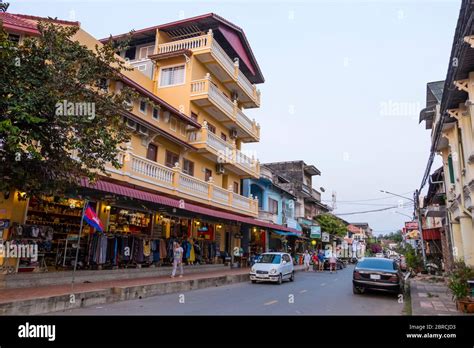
(306, 260)
(332, 262)
(177, 259)
(315, 259)
(321, 260)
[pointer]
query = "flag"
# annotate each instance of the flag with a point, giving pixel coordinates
(92, 219)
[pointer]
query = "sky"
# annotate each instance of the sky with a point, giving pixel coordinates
(344, 84)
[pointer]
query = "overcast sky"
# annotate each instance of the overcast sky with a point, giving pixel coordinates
(345, 81)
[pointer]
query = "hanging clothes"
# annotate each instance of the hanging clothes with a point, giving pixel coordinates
(162, 249)
(192, 255)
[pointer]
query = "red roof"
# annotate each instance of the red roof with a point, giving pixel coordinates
(230, 31)
(126, 191)
(27, 24)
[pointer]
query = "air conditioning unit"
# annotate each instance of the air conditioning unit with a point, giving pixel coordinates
(142, 130)
(131, 124)
(233, 133)
(220, 168)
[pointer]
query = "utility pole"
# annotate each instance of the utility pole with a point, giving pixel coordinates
(334, 206)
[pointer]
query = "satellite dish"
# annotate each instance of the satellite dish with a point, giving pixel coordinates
(322, 189)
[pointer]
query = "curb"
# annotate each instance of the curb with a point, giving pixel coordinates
(59, 303)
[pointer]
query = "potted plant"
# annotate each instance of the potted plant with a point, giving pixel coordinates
(459, 286)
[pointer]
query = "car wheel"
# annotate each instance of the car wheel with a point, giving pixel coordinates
(254, 281)
(356, 290)
(292, 278)
(280, 279)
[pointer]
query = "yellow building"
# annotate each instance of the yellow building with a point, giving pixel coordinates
(449, 114)
(182, 169)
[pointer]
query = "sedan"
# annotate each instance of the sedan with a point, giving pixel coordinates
(377, 274)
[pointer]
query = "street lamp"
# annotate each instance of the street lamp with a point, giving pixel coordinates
(418, 209)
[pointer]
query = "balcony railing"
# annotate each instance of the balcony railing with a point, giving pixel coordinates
(225, 151)
(205, 88)
(207, 42)
(173, 179)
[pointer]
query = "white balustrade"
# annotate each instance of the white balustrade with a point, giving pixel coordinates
(244, 121)
(219, 144)
(223, 57)
(241, 202)
(246, 84)
(193, 185)
(221, 99)
(199, 86)
(152, 169)
(220, 195)
(194, 43)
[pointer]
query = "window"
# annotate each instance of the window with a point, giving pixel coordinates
(211, 128)
(130, 53)
(207, 174)
(272, 206)
(223, 136)
(182, 128)
(146, 51)
(194, 116)
(151, 152)
(188, 167)
(171, 159)
(270, 258)
(236, 187)
(173, 123)
(13, 38)
(172, 76)
(143, 106)
(156, 114)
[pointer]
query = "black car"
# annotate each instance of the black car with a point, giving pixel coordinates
(378, 274)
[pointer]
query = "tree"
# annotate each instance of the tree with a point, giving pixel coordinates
(53, 104)
(331, 224)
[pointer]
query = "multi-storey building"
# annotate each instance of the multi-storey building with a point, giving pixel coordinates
(449, 114)
(182, 170)
(300, 183)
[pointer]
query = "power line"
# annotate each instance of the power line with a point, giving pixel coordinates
(367, 211)
(376, 205)
(366, 200)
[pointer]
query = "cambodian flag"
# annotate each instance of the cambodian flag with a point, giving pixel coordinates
(92, 219)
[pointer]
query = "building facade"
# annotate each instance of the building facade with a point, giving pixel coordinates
(449, 115)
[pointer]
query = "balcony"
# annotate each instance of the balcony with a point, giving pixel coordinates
(205, 94)
(172, 181)
(222, 151)
(311, 192)
(267, 216)
(206, 49)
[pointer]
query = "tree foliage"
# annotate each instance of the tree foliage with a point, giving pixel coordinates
(36, 141)
(331, 224)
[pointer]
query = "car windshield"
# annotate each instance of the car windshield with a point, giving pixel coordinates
(270, 258)
(377, 264)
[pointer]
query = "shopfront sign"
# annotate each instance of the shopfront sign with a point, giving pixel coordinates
(325, 237)
(315, 231)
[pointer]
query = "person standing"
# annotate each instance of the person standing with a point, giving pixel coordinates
(306, 260)
(332, 262)
(177, 259)
(321, 260)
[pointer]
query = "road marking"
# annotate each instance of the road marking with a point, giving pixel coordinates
(323, 284)
(270, 303)
(303, 291)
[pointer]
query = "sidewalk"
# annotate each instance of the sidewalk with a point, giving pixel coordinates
(431, 297)
(53, 298)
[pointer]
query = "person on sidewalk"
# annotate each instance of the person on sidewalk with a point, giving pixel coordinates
(306, 260)
(177, 259)
(321, 260)
(332, 262)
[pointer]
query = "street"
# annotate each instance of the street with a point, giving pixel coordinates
(311, 293)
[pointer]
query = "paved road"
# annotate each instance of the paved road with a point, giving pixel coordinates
(312, 293)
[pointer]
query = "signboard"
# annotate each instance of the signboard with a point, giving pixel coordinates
(325, 237)
(315, 232)
(411, 225)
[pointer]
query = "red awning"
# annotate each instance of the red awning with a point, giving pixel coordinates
(432, 234)
(172, 202)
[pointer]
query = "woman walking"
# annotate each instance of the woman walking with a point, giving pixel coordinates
(321, 260)
(177, 259)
